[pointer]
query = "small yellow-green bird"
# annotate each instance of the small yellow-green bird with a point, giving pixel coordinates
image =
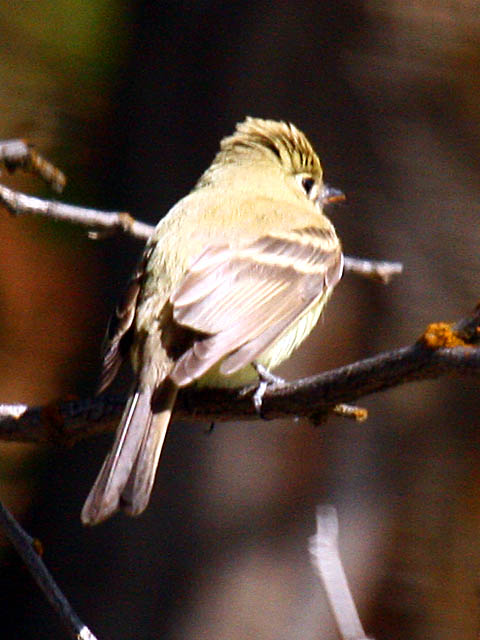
(232, 280)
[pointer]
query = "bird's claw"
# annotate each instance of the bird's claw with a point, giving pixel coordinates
(258, 396)
(267, 379)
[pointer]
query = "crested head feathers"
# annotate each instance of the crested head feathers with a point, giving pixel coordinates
(279, 141)
(282, 139)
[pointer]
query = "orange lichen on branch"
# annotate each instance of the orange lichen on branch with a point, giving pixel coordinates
(38, 546)
(439, 335)
(359, 414)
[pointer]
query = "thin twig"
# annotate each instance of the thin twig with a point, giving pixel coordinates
(28, 549)
(440, 351)
(18, 154)
(376, 270)
(20, 204)
(326, 559)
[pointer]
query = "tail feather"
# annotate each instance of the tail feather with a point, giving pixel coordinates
(136, 494)
(104, 497)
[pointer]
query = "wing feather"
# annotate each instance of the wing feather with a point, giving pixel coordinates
(118, 337)
(242, 299)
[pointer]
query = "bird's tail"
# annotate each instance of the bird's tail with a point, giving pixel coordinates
(126, 477)
(136, 493)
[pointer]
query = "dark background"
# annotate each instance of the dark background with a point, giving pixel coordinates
(131, 99)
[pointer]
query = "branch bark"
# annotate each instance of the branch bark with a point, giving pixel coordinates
(29, 549)
(442, 350)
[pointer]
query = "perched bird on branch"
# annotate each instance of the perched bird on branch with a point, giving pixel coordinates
(232, 280)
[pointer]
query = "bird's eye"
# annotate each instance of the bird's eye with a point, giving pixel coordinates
(307, 184)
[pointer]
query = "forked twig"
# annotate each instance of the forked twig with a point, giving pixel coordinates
(18, 154)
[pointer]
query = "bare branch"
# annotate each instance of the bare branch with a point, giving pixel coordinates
(383, 271)
(442, 350)
(18, 154)
(30, 550)
(20, 204)
(323, 547)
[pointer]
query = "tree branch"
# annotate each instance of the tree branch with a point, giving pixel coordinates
(376, 270)
(29, 549)
(16, 154)
(442, 350)
(110, 222)
(325, 557)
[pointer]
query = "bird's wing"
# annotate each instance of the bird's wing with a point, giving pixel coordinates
(119, 335)
(242, 298)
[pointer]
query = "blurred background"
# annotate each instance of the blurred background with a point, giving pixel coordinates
(131, 100)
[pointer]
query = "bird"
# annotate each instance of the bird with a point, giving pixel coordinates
(233, 278)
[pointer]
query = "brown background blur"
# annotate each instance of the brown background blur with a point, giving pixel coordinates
(131, 99)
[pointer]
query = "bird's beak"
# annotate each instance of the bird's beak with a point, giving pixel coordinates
(329, 195)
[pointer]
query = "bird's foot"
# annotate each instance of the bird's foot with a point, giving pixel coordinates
(266, 379)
